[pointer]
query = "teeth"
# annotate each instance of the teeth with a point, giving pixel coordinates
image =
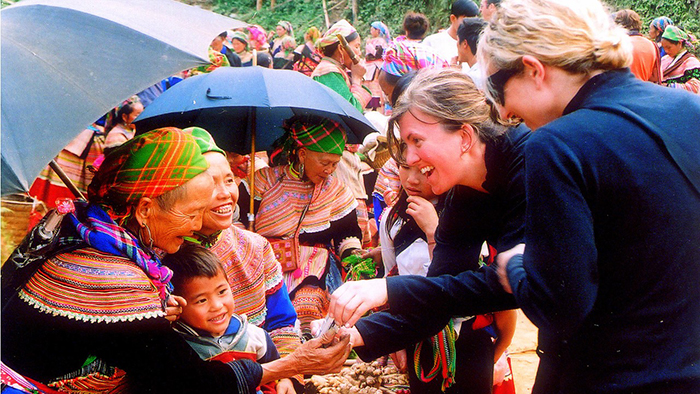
(223, 210)
(426, 169)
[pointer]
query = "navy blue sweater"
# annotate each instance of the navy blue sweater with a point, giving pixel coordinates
(612, 262)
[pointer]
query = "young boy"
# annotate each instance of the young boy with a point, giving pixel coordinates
(207, 322)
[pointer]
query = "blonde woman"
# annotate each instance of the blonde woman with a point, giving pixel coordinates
(609, 274)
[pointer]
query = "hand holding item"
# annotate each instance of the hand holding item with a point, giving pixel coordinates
(353, 299)
(400, 360)
(502, 261)
(173, 309)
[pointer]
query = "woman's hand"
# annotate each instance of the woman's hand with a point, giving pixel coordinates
(311, 358)
(375, 254)
(424, 213)
(173, 309)
(400, 360)
(285, 386)
(502, 261)
(353, 299)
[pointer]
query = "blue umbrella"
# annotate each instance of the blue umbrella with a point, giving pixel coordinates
(234, 103)
(65, 63)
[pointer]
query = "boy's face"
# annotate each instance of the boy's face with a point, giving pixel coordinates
(209, 303)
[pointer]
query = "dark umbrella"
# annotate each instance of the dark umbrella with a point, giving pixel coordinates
(236, 104)
(65, 63)
(244, 108)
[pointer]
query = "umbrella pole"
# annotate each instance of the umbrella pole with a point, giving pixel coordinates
(251, 212)
(69, 184)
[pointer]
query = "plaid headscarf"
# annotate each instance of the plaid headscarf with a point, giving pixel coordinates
(204, 140)
(342, 27)
(311, 132)
(148, 165)
(403, 56)
(286, 26)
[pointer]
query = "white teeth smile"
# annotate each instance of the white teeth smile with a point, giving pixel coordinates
(426, 169)
(223, 210)
(218, 318)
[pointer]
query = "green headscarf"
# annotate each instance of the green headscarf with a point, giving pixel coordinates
(204, 140)
(148, 165)
(325, 136)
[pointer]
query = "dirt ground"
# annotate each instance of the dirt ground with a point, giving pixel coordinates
(523, 358)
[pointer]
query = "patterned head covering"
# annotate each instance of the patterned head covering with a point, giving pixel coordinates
(674, 33)
(383, 29)
(403, 56)
(258, 37)
(148, 165)
(325, 136)
(286, 26)
(238, 35)
(341, 27)
(204, 140)
(661, 23)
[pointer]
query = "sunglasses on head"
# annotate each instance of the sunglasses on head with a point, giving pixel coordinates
(496, 84)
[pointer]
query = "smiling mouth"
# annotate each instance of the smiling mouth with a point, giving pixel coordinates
(223, 210)
(218, 319)
(427, 170)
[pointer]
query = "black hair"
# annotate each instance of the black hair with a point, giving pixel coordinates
(223, 35)
(464, 8)
(192, 261)
(470, 29)
(401, 84)
(497, 3)
(415, 25)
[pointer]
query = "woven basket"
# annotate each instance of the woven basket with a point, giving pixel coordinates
(15, 212)
(381, 154)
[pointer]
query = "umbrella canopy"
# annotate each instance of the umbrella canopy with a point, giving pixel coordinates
(65, 63)
(228, 100)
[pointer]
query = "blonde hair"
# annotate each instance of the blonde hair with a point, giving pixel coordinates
(452, 98)
(578, 36)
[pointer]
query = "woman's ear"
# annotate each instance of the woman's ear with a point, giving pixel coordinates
(301, 153)
(468, 137)
(144, 210)
(534, 69)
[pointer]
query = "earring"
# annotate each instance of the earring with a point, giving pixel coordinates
(464, 149)
(301, 170)
(150, 237)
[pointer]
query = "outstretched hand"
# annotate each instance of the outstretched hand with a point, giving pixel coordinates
(323, 355)
(353, 299)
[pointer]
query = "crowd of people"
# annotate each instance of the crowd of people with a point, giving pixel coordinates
(533, 157)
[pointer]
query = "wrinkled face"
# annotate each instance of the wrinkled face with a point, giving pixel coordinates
(431, 149)
(219, 214)
(169, 227)
(671, 48)
(210, 303)
(280, 31)
(415, 183)
(238, 45)
(318, 166)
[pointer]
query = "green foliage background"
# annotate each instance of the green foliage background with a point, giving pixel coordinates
(306, 13)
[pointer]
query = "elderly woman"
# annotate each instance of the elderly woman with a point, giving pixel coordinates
(681, 69)
(333, 69)
(253, 272)
(302, 199)
(91, 316)
(283, 46)
(599, 217)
